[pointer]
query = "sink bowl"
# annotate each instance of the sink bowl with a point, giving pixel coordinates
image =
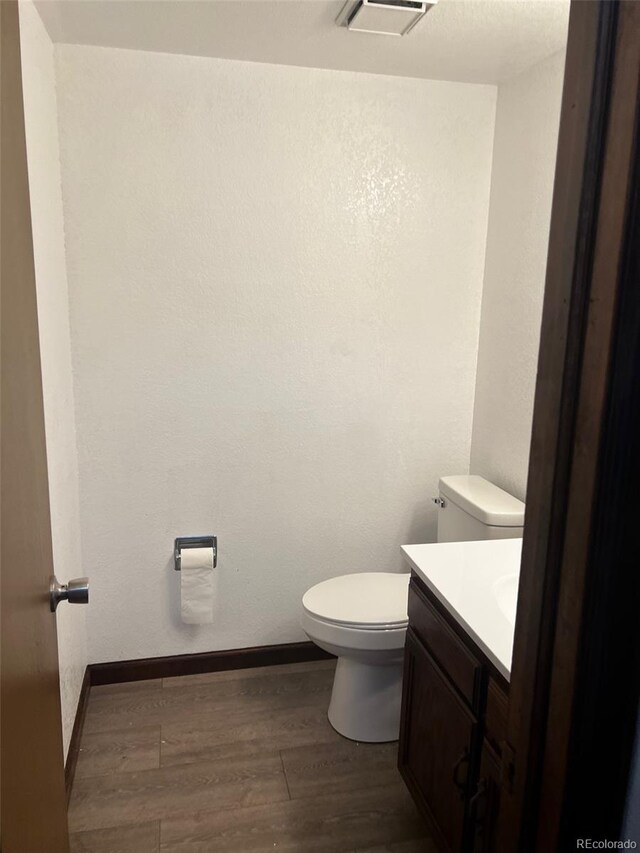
(505, 590)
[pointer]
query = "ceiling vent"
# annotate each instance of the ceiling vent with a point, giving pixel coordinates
(384, 17)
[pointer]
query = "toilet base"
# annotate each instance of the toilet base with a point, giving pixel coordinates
(365, 701)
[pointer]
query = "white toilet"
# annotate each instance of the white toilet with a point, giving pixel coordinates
(362, 618)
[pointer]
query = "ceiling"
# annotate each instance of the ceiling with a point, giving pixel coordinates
(477, 41)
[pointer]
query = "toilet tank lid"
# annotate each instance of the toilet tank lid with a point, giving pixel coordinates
(482, 500)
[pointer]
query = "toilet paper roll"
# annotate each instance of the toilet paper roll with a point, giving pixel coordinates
(197, 585)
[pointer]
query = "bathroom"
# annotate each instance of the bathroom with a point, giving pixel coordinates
(289, 275)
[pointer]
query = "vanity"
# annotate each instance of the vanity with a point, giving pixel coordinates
(462, 605)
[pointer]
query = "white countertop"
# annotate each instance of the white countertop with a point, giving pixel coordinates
(477, 583)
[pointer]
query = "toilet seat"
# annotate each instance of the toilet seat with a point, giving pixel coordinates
(371, 601)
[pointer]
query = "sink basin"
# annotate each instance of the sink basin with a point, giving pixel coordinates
(505, 590)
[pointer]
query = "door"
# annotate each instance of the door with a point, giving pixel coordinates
(34, 818)
(436, 743)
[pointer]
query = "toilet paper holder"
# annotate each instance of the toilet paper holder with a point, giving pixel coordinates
(194, 542)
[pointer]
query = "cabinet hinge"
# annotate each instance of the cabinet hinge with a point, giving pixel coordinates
(508, 767)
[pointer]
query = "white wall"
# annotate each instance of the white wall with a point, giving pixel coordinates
(526, 136)
(53, 319)
(275, 281)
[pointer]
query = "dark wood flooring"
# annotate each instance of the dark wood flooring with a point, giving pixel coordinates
(237, 762)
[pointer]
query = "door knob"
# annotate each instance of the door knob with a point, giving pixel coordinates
(75, 592)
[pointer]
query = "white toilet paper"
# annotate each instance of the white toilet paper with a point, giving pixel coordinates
(197, 585)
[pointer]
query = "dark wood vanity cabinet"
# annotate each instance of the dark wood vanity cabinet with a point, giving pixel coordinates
(485, 802)
(437, 743)
(453, 720)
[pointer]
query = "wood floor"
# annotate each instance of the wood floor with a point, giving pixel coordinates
(240, 762)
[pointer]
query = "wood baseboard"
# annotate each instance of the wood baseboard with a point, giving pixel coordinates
(76, 734)
(167, 667)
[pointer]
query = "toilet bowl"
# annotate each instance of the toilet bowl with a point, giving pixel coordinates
(362, 619)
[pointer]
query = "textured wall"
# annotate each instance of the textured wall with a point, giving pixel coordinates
(53, 319)
(526, 136)
(275, 282)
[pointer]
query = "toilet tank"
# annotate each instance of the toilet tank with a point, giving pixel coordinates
(471, 508)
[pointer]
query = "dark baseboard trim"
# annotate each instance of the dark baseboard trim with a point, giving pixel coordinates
(167, 667)
(76, 734)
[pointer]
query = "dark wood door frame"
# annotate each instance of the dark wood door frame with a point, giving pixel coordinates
(607, 680)
(584, 465)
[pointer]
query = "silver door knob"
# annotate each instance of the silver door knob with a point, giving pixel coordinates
(75, 592)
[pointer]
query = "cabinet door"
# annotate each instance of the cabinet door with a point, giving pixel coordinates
(437, 736)
(486, 801)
